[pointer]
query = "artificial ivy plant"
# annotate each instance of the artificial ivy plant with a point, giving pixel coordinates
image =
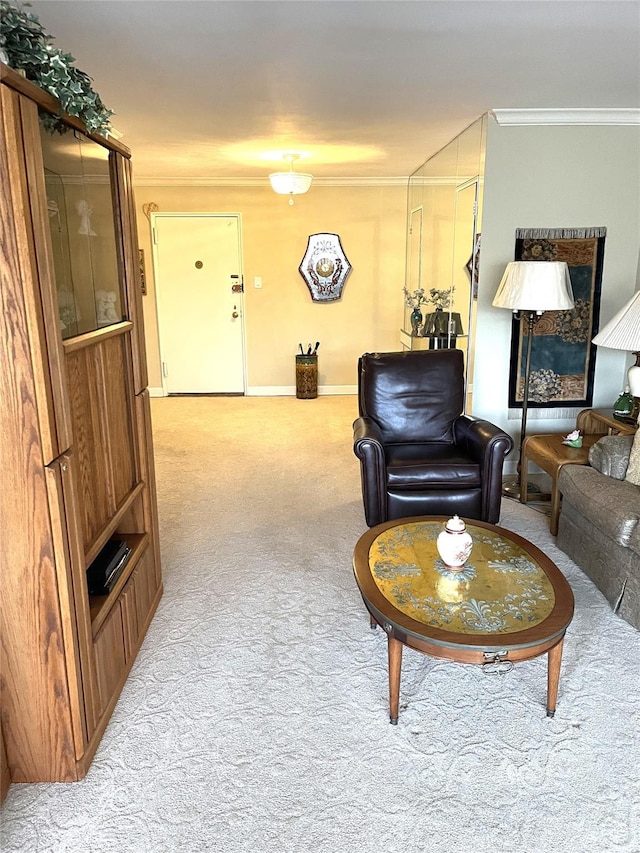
(27, 47)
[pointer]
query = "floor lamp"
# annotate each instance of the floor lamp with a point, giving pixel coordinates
(529, 288)
(623, 332)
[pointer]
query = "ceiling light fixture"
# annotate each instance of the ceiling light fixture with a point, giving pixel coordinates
(290, 183)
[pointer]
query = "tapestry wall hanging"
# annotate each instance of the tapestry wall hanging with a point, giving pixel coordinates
(324, 267)
(562, 355)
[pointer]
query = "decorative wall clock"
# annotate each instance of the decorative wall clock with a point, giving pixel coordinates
(324, 267)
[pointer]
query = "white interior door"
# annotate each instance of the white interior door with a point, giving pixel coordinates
(200, 302)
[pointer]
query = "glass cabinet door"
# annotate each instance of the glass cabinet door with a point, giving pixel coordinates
(83, 232)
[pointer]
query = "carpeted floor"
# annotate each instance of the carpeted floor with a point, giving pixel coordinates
(256, 716)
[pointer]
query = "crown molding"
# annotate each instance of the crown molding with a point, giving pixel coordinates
(514, 118)
(144, 181)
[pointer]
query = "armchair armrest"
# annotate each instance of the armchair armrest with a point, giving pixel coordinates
(368, 447)
(489, 445)
(481, 438)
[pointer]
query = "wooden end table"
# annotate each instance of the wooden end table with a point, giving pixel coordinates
(603, 422)
(510, 603)
(549, 453)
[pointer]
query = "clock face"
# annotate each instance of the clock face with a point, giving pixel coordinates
(325, 267)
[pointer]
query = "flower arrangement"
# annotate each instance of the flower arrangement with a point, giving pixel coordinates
(440, 299)
(26, 47)
(416, 299)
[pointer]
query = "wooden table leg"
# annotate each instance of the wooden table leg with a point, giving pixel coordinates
(555, 505)
(524, 468)
(394, 650)
(553, 676)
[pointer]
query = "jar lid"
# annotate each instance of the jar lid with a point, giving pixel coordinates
(455, 525)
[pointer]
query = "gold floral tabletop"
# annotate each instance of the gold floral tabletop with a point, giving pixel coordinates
(501, 588)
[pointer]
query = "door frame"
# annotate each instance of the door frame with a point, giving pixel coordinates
(156, 266)
(473, 302)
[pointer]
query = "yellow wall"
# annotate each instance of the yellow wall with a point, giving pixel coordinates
(371, 222)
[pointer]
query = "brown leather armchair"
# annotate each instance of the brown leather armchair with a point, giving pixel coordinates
(419, 455)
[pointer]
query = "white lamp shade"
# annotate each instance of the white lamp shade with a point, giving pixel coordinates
(535, 286)
(623, 330)
(290, 183)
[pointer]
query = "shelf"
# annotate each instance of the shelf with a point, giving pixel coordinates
(103, 537)
(100, 605)
(421, 342)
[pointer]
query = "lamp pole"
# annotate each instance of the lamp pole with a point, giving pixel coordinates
(513, 489)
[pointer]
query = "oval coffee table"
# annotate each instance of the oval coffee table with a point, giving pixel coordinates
(510, 603)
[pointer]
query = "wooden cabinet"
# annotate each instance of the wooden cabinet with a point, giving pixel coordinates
(75, 441)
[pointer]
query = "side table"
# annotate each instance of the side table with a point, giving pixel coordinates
(603, 422)
(550, 454)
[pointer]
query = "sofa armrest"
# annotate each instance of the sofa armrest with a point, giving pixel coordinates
(610, 455)
(612, 506)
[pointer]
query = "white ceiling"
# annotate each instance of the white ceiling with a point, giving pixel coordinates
(365, 88)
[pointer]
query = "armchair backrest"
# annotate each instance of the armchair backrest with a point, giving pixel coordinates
(414, 396)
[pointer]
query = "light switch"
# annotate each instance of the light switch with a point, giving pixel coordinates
(257, 281)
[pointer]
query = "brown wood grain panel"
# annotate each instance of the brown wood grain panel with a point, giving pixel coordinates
(148, 473)
(122, 181)
(100, 605)
(109, 655)
(130, 616)
(80, 594)
(117, 411)
(20, 84)
(5, 776)
(34, 687)
(593, 421)
(146, 587)
(55, 437)
(113, 524)
(106, 713)
(96, 336)
(46, 294)
(94, 488)
(55, 473)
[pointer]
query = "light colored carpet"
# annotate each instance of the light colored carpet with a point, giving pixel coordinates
(256, 715)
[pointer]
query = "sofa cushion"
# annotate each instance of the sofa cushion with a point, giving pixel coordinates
(608, 504)
(633, 469)
(610, 455)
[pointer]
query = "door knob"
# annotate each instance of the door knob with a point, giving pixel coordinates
(235, 315)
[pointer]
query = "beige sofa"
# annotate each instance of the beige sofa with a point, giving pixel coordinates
(599, 524)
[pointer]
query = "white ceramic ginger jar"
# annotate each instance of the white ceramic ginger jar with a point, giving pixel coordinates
(454, 544)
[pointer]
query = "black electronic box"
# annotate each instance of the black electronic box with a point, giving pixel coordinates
(107, 567)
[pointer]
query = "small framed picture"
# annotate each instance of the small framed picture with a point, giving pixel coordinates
(143, 278)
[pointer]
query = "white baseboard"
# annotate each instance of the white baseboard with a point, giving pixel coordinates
(290, 390)
(281, 391)
(337, 390)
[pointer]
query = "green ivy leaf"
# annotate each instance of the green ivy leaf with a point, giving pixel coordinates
(28, 48)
